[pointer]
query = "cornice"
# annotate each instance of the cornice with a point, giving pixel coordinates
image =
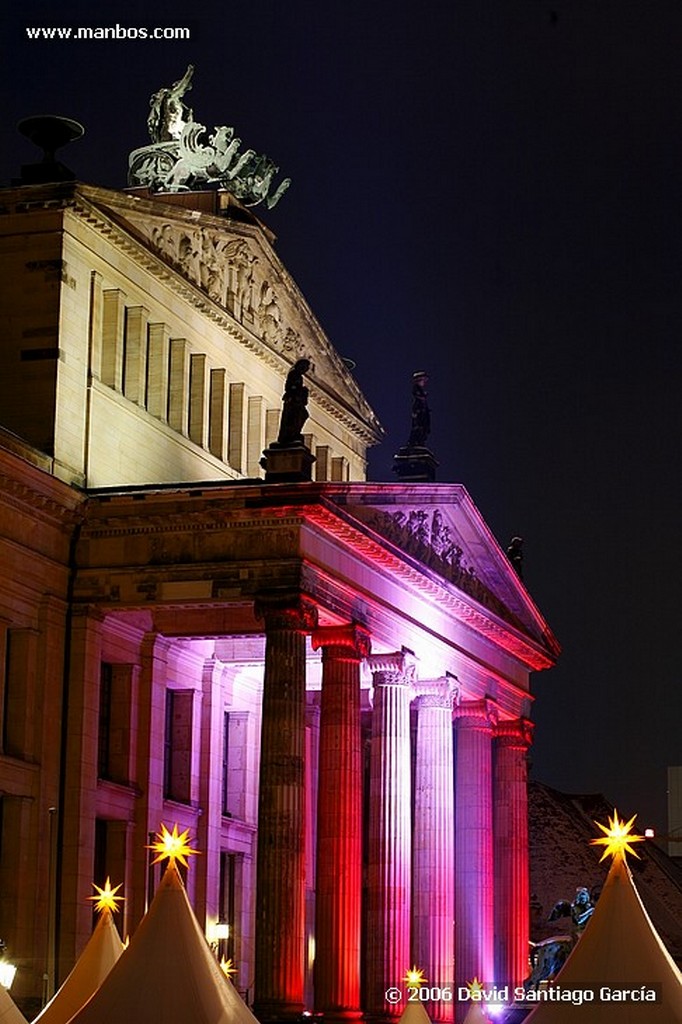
(23, 497)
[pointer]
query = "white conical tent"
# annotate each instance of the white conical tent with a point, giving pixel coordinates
(9, 1011)
(168, 974)
(475, 1014)
(103, 949)
(620, 949)
(414, 1013)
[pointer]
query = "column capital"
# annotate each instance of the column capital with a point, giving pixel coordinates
(476, 714)
(287, 610)
(514, 733)
(394, 668)
(348, 643)
(437, 693)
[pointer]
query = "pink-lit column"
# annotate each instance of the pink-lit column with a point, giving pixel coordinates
(390, 840)
(474, 877)
(513, 739)
(339, 824)
(433, 890)
(280, 891)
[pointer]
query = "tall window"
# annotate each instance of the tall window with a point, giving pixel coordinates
(177, 761)
(104, 735)
(113, 740)
(224, 793)
(227, 902)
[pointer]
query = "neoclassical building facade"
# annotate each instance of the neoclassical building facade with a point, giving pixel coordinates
(326, 682)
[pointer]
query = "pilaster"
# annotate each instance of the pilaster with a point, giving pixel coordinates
(433, 889)
(339, 824)
(512, 741)
(280, 892)
(390, 832)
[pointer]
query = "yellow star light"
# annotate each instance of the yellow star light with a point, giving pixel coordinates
(106, 898)
(414, 977)
(617, 838)
(228, 968)
(475, 988)
(172, 846)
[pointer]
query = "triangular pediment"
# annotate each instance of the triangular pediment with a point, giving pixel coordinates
(438, 526)
(230, 263)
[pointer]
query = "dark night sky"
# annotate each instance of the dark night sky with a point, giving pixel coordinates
(489, 191)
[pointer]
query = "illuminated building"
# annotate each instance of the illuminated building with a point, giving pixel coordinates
(303, 664)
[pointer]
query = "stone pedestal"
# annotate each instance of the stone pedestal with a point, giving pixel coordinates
(291, 463)
(415, 464)
(280, 895)
(433, 889)
(513, 738)
(390, 840)
(339, 825)
(474, 886)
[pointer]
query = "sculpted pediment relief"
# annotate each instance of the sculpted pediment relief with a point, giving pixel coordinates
(446, 534)
(430, 535)
(239, 273)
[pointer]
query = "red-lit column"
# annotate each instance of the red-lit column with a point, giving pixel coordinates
(390, 839)
(339, 824)
(433, 889)
(513, 739)
(280, 891)
(474, 877)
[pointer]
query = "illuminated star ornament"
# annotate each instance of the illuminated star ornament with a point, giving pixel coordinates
(415, 977)
(475, 988)
(172, 846)
(106, 898)
(228, 968)
(617, 838)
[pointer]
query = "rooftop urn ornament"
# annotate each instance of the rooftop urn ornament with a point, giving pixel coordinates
(414, 461)
(183, 156)
(50, 132)
(515, 555)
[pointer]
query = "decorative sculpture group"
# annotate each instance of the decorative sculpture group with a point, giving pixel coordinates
(177, 160)
(548, 957)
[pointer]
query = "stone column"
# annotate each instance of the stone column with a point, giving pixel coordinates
(513, 739)
(280, 890)
(339, 824)
(474, 843)
(390, 853)
(433, 889)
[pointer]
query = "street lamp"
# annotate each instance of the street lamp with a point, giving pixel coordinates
(7, 969)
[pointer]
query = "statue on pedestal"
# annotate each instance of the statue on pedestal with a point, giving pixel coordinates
(421, 414)
(414, 461)
(295, 402)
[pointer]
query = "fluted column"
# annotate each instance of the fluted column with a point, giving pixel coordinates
(513, 738)
(433, 889)
(474, 878)
(280, 890)
(339, 824)
(389, 867)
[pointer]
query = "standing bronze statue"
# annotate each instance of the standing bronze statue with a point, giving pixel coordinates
(421, 415)
(295, 402)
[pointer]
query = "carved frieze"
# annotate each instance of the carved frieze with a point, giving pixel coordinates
(425, 534)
